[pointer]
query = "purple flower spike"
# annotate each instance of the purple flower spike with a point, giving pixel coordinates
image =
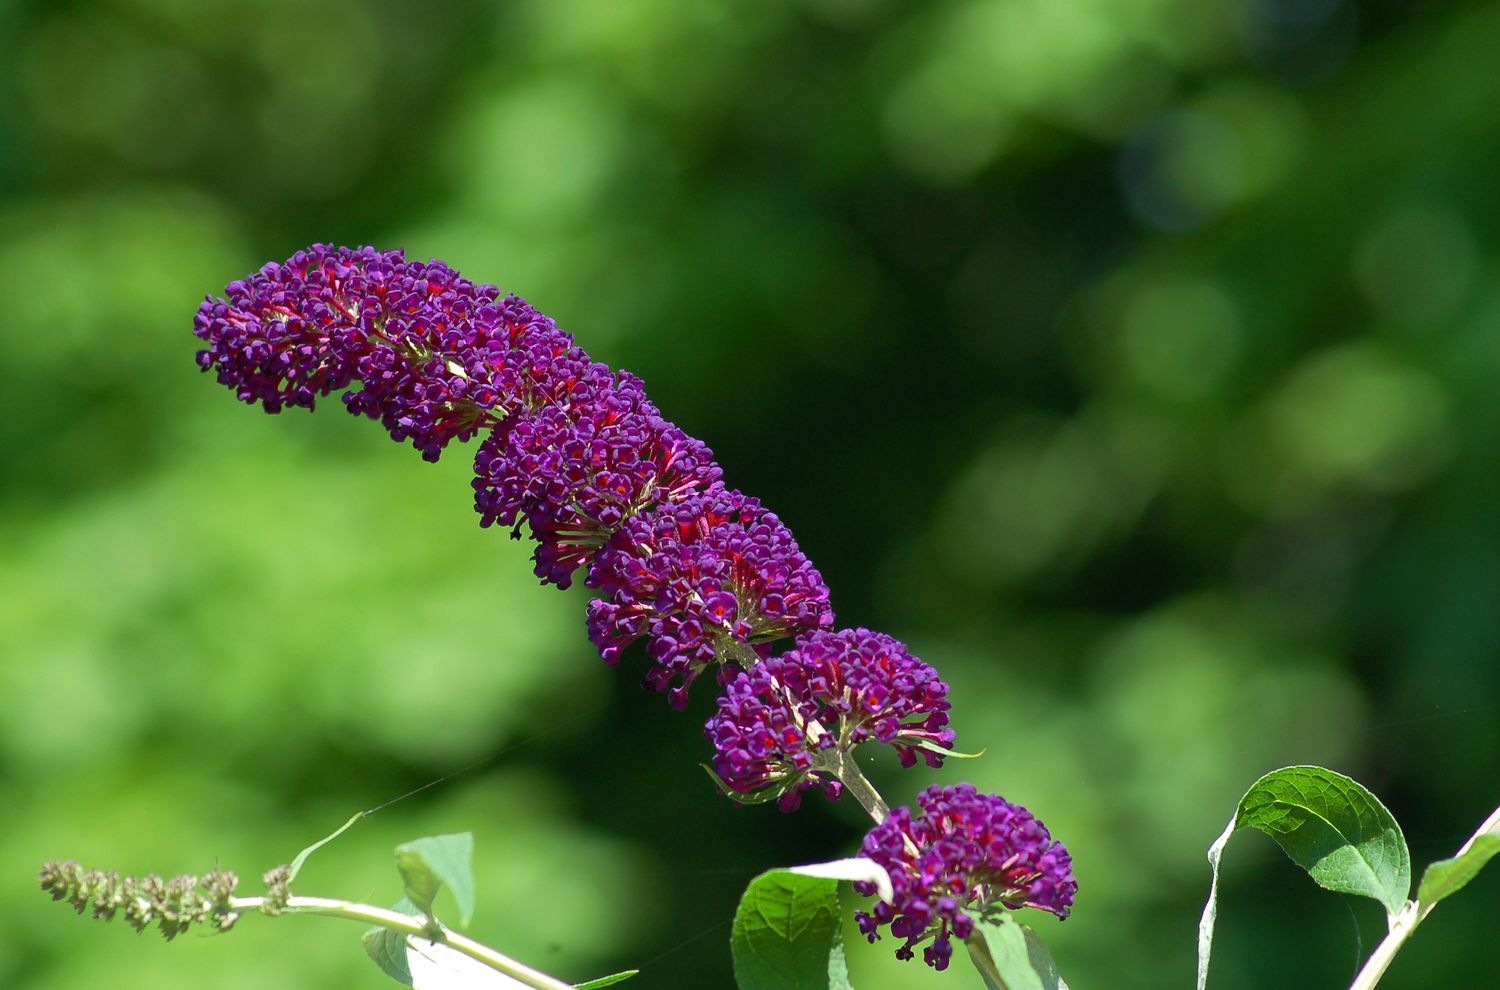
(437, 357)
(713, 577)
(289, 333)
(965, 852)
(834, 689)
(577, 471)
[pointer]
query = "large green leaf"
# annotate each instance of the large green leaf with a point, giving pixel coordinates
(788, 934)
(428, 863)
(1329, 825)
(1010, 956)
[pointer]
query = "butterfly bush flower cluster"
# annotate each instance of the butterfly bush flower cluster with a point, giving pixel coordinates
(714, 578)
(578, 456)
(832, 691)
(964, 854)
(576, 474)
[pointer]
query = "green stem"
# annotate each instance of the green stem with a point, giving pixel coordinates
(1402, 925)
(408, 925)
(738, 652)
(836, 762)
(841, 764)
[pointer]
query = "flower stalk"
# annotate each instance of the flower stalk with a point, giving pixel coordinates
(840, 763)
(178, 905)
(406, 924)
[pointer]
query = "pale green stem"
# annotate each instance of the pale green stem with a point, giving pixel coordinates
(1408, 918)
(841, 764)
(837, 761)
(1402, 925)
(740, 653)
(408, 925)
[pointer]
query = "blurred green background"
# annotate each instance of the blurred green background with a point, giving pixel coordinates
(1133, 360)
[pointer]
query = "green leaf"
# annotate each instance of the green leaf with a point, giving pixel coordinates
(388, 948)
(762, 796)
(428, 863)
(1330, 826)
(788, 934)
(1334, 829)
(302, 856)
(607, 981)
(1448, 876)
(1010, 956)
(838, 965)
(943, 751)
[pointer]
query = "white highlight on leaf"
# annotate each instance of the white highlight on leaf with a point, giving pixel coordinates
(437, 967)
(854, 868)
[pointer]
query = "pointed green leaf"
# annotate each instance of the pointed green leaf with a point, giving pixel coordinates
(943, 751)
(1330, 826)
(421, 883)
(302, 856)
(788, 934)
(388, 948)
(608, 981)
(1010, 956)
(428, 863)
(1447, 876)
(838, 965)
(762, 796)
